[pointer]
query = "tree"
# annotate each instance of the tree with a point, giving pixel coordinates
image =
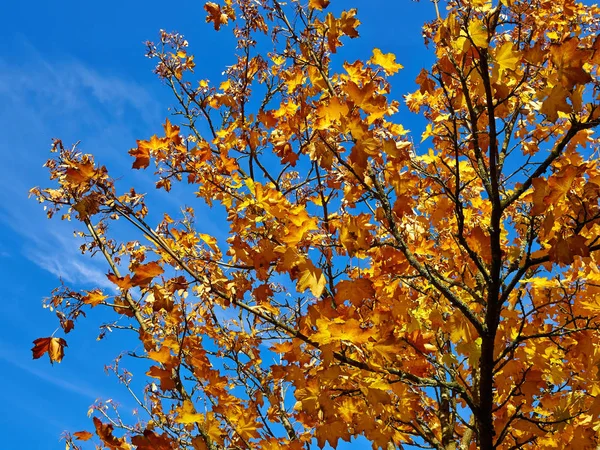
(443, 295)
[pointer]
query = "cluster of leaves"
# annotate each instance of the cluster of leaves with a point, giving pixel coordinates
(446, 299)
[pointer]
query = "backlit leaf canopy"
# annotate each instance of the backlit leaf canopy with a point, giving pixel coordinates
(444, 295)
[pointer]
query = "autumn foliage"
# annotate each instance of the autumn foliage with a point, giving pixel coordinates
(441, 292)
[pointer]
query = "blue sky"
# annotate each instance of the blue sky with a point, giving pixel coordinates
(76, 70)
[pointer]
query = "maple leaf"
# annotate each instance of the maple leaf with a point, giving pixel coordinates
(215, 15)
(506, 58)
(247, 427)
(79, 173)
(55, 347)
(355, 234)
(559, 185)
(87, 206)
(569, 59)
(564, 251)
(123, 283)
(386, 61)
(186, 414)
(333, 111)
(356, 291)
(348, 23)
(83, 435)
(310, 277)
(318, 4)
(144, 273)
(539, 193)
(149, 440)
(348, 331)
(94, 297)
(162, 356)
(105, 433)
(144, 149)
(172, 133)
(165, 377)
(478, 33)
(556, 102)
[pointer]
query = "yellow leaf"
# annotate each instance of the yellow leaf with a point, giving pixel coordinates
(336, 331)
(507, 58)
(478, 33)
(427, 133)
(327, 113)
(310, 277)
(187, 414)
(386, 61)
(209, 240)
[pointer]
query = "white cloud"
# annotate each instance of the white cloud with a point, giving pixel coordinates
(62, 98)
(65, 86)
(80, 388)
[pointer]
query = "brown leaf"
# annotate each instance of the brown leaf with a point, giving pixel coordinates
(152, 441)
(87, 206)
(104, 432)
(53, 346)
(83, 435)
(80, 173)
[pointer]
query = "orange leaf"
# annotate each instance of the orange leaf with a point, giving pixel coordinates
(215, 15)
(54, 346)
(94, 297)
(556, 102)
(144, 149)
(164, 375)
(356, 291)
(507, 57)
(87, 206)
(144, 273)
(348, 23)
(318, 4)
(80, 173)
(569, 60)
(559, 185)
(83, 435)
(121, 282)
(162, 356)
(172, 132)
(142, 157)
(478, 33)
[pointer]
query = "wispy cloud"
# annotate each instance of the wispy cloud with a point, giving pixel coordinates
(65, 98)
(80, 388)
(62, 259)
(64, 86)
